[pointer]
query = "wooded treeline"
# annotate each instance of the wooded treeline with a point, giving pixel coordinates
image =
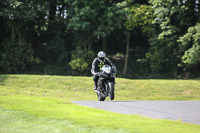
(144, 38)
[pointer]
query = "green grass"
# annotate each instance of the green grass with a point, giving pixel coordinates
(32, 103)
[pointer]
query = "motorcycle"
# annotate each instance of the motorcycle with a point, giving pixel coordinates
(106, 83)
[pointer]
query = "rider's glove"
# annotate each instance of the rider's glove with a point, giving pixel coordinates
(97, 74)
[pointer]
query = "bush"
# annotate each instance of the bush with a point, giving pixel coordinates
(79, 64)
(81, 61)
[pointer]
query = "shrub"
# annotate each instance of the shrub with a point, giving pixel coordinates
(81, 60)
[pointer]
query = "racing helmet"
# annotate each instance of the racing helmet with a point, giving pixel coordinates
(101, 56)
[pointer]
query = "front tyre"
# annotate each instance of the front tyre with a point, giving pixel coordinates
(111, 90)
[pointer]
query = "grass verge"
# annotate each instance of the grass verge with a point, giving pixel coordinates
(42, 104)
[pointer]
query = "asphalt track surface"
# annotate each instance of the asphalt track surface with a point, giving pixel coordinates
(186, 111)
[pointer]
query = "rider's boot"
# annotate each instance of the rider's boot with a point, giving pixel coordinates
(95, 86)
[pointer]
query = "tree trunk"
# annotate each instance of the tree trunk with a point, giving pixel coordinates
(52, 13)
(38, 34)
(52, 10)
(20, 38)
(104, 44)
(191, 11)
(89, 36)
(13, 45)
(127, 52)
(2, 29)
(198, 21)
(13, 32)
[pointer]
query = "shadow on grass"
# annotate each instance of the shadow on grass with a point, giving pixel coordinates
(3, 78)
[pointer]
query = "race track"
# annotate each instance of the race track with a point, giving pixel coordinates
(186, 111)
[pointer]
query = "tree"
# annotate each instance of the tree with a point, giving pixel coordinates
(137, 17)
(171, 21)
(93, 19)
(16, 15)
(190, 44)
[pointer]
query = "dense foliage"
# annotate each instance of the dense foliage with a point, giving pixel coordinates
(160, 38)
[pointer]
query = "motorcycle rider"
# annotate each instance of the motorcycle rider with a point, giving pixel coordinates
(97, 64)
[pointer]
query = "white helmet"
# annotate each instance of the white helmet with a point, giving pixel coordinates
(101, 55)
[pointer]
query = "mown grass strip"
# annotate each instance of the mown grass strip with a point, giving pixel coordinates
(30, 100)
(48, 108)
(20, 122)
(81, 88)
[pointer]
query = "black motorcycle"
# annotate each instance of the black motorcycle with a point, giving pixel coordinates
(106, 83)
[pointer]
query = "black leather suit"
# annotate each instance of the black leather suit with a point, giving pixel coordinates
(97, 65)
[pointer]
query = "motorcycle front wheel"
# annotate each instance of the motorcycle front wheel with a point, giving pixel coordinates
(111, 90)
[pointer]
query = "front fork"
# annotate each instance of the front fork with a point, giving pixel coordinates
(100, 83)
